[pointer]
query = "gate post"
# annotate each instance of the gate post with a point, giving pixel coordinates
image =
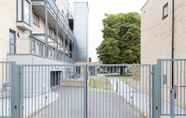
(86, 91)
(173, 102)
(156, 91)
(16, 95)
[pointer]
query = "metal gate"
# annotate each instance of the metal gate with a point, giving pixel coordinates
(79, 91)
(173, 87)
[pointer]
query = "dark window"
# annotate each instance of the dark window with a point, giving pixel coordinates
(12, 39)
(165, 11)
(55, 77)
(71, 24)
(70, 46)
(66, 43)
(78, 70)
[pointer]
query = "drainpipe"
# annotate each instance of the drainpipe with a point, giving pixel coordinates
(173, 89)
(173, 46)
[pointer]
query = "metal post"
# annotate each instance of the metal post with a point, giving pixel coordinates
(172, 92)
(16, 95)
(86, 92)
(156, 91)
(46, 23)
(173, 102)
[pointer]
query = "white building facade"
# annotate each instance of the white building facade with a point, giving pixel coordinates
(36, 31)
(81, 11)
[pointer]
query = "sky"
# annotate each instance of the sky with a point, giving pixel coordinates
(97, 9)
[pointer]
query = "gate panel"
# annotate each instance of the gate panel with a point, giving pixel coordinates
(7, 73)
(76, 91)
(119, 91)
(173, 87)
(53, 91)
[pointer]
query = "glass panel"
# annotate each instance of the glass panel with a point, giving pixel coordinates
(19, 10)
(12, 42)
(27, 12)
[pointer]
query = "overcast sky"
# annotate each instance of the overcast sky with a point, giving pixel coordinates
(97, 9)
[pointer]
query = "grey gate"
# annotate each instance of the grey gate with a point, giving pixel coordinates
(173, 87)
(79, 91)
(119, 91)
(10, 90)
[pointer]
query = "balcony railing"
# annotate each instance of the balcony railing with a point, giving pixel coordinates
(59, 16)
(58, 45)
(40, 49)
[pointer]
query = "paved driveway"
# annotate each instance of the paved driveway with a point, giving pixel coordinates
(101, 104)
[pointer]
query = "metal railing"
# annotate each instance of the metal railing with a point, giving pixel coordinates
(179, 85)
(119, 91)
(77, 91)
(6, 77)
(90, 90)
(59, 16)
(40, 48)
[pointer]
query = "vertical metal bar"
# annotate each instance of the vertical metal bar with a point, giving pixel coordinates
(150, 92)
(16, 101)
(173, 102)
(46, 22)
(172, 91)
(156, 90)
(86, 92)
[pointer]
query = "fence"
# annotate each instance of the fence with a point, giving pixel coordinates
(6, 76)
(173, 79)
(119, 91)
(89, 91)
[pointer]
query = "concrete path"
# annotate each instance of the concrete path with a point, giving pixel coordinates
(70, 104)
(140, 101)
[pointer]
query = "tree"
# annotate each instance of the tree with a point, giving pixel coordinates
(121, 42)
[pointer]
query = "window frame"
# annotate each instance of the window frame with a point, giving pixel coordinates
(24, 9)
(20, 11)
(14, 43)
(34, 47)
(165, 7)
(55, 78)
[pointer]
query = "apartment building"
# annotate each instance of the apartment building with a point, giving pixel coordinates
(36, 31)
(81, 11)
(162, 33)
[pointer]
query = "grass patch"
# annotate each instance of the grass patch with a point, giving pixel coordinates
(124, 79)
(103, 82)
(100, 83)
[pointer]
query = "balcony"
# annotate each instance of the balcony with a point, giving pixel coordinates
(54, 16)
(53, 42)
(24, 8)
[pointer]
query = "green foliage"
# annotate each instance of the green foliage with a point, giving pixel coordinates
(121, 42)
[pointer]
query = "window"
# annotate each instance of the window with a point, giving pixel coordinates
(24, 11)
(78, 70)
(55, 77)
(33, 47)
(46, 51)
(12, 39)
(70, 46)
(40, 49)
(165, 11)
(36, 20)
(27, 11)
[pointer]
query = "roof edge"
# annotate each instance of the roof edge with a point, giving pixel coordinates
(145, 4)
